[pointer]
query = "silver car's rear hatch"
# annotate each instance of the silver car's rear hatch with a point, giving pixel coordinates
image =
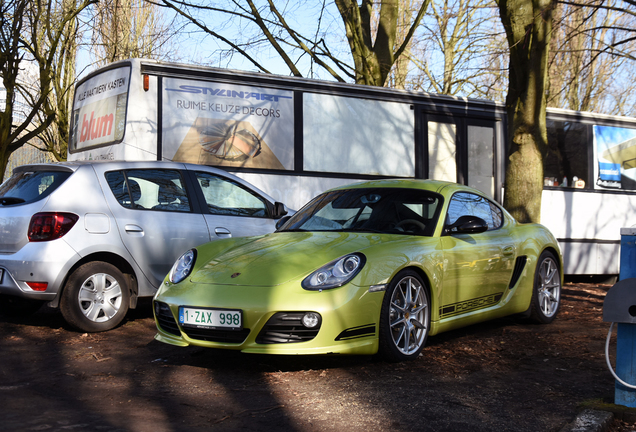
(23, 195)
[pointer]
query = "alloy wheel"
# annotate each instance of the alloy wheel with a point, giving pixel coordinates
(408, 315)
(549, 290)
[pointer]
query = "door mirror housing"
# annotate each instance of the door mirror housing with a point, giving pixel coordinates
(467, 225)
(282, 221)
(279, 210)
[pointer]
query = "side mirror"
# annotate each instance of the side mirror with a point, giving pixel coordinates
(279, 210)
(282, 221)
(467, 225)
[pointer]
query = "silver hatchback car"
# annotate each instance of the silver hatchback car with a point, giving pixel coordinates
(93, 237)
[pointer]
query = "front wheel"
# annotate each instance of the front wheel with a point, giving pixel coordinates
(405, 318)
(95, 297)
(546, 294)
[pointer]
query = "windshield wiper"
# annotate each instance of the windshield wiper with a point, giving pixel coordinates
(371, 230)
(10, 200)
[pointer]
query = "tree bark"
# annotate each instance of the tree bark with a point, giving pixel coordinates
(528, 25)
(33, 30)
(373, 60)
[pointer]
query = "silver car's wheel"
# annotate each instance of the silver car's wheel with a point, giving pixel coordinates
(100, 297)
(405, 319)
(95, 298)
(546, 295)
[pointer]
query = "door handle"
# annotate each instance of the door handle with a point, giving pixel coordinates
(133, 229)
(222, 232)
(508, 250)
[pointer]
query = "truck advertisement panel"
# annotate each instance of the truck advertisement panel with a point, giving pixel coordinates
(229, 125)
(616, 157)
(357, 136)
(99, 114)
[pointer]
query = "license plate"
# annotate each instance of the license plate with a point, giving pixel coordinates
(211, 318)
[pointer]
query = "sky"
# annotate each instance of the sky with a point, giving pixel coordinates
(193, 46)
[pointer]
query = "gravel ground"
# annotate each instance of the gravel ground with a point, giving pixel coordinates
(504, 375)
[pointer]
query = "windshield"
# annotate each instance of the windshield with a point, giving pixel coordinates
(383, 210)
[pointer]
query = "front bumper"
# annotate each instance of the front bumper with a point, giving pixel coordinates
(349, 318)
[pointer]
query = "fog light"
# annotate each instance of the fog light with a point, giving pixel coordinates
(37, 286)
(311, 319)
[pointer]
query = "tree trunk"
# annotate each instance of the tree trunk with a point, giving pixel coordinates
(528, 25)
(373, 59)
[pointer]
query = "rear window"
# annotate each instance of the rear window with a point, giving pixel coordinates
(30, 186)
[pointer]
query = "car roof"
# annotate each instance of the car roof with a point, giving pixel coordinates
(116, 164)
(107, 165)
(438, 186)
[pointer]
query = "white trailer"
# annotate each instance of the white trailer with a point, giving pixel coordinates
(295, 137)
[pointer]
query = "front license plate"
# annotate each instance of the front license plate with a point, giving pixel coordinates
(211, 318)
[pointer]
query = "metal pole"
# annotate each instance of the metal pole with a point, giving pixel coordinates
(626, 333)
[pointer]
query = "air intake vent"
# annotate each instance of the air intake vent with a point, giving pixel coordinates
(222, 336)
(286, 327)
(165, 319)
(520, 264)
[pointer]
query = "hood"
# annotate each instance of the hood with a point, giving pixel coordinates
(276, 258)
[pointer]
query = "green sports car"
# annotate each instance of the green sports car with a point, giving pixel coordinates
(361, 269)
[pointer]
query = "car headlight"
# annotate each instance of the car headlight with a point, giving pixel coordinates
(336, 273)
(182, 268)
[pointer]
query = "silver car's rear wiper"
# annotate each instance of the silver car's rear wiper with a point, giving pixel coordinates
(10, 200)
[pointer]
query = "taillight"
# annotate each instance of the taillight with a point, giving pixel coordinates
(50, 226)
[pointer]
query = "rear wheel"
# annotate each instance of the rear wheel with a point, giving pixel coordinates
(405, 318)
(95, 297)
(546, 295)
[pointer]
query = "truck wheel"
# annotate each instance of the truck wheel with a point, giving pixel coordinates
(95, 297)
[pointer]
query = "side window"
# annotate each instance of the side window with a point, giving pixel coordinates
(225, 197)
(497, 216)
(566, 163)
(118, 187)
(152, 189)
(468, 204)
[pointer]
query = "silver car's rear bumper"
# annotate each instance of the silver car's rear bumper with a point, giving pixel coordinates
(36, 262)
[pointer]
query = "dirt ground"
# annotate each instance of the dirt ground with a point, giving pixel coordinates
(505, 375)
